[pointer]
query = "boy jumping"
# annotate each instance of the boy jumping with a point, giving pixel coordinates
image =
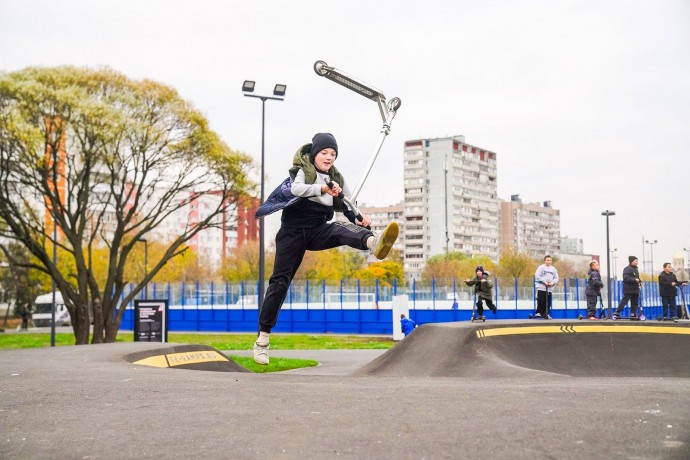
(315, 185)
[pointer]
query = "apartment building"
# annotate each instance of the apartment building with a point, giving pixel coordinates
(380, 216)
(451, 202)
(572, 245)
(532, 228)
(233, 228)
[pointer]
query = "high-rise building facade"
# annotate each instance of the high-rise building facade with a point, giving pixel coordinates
(532, 228)
(381, 216)
(572, 245)
(451, 202)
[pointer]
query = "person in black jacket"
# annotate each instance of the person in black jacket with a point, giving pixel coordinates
(483, 288)
(314, 186)
(593, 290)
(631, 288)
(667, 291)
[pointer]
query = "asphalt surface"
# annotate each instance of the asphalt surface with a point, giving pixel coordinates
(88, 402)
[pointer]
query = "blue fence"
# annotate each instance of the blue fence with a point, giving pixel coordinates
(355, 309)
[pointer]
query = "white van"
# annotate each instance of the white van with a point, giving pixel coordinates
(43, 306)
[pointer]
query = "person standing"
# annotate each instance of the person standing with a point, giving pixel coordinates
(483, 289)
(667, 290)
(593, 290)
(407, 325)
(546, 278)
(25, 314)
(631, 289)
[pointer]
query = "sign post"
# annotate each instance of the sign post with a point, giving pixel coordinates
(151, 320)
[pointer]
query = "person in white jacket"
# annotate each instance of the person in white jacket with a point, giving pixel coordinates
(546, 278)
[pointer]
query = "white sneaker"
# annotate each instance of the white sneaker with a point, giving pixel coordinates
(261, 353)
(383, 242)
(538, 315)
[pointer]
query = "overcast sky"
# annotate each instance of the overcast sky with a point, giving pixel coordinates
(586, 103)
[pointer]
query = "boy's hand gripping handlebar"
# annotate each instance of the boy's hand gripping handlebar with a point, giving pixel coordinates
(355, 212)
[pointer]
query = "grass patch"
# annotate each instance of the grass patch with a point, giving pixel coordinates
(38, 340)
(217, 341)
(286, 341)
(276, 365)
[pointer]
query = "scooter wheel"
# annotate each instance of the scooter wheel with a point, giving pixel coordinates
(320, 68)
(394, 104)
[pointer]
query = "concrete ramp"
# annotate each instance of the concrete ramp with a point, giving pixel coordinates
(195, 357)
(530, 348)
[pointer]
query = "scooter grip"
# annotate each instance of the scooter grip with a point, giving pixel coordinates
(358, 216)
(340, 195)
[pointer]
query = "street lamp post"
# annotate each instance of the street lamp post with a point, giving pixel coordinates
(608, 213)
(651, 255)
(687, 259)
(278, 90)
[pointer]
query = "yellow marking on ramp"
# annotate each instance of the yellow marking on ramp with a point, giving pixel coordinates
(569, 329)
(194, 357)
(180, 359)
(153, 361)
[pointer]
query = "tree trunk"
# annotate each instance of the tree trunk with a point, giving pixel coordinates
(111, 332)
(98, 322)
(81, 326)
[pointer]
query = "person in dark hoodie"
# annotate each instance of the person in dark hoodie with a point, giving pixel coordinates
(593, 290)
(308, 199)
(631, 289)
(483, 288)
(667, 290)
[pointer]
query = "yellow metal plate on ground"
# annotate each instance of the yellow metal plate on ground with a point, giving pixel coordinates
(572, 329)
(180, 359)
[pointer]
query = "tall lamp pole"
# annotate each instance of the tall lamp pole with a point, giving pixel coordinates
(278, 90)
(651, 255)
(687, 259)
(608, 213)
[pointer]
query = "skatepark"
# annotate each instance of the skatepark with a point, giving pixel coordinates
(500, 389)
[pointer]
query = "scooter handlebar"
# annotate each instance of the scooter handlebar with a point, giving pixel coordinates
(341, 195)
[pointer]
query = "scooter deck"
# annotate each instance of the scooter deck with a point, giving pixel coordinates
(540, 317)
(630, 318)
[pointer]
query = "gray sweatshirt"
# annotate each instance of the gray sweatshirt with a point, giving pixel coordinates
(546, 274)
(313, 191)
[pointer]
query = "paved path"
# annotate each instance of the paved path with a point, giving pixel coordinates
(86, 402)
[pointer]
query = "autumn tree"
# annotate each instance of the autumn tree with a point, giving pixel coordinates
(242, 264)
(455, 265)
(387, 272)
(331, 265)
(107, 160)
(515, 264)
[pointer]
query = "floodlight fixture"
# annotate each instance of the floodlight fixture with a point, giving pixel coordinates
(279, 90)
(248, 86)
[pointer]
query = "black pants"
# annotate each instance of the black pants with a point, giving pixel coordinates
(668, 304)
(542, 301)
(592, 305)
(291, 245)
(480, 306)
(634, 301)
